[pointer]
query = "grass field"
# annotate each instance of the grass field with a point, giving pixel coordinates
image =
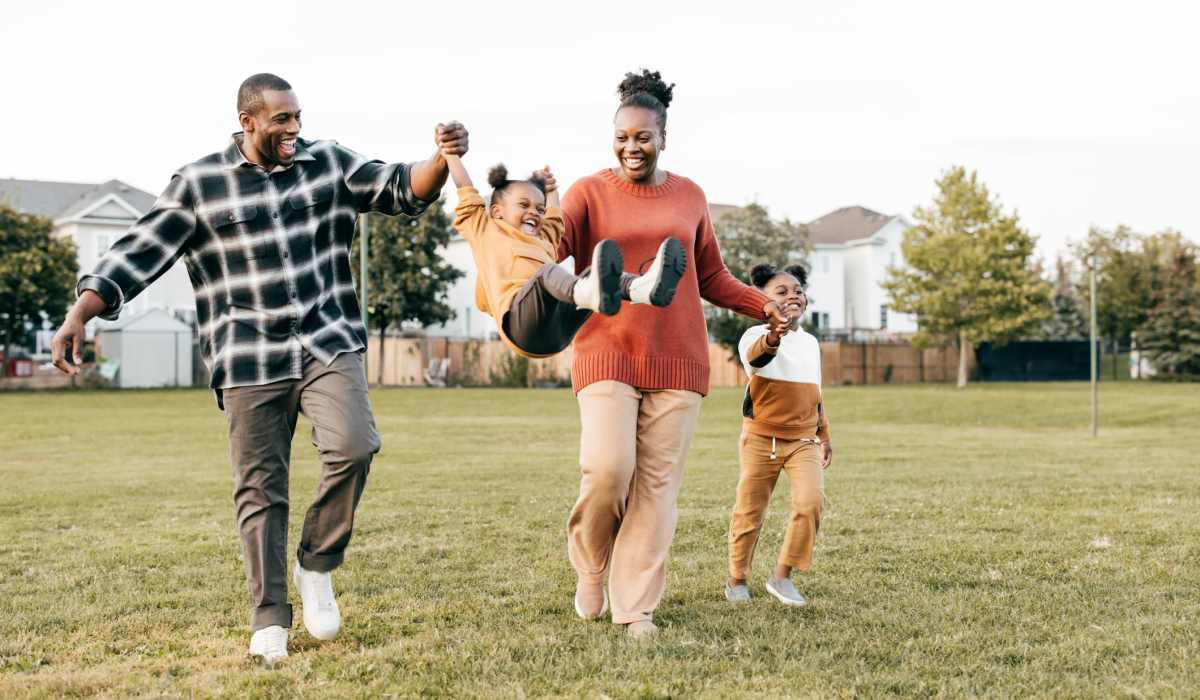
(977, 543)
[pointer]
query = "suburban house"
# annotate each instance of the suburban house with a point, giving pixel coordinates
(94, 216)
(853, 247)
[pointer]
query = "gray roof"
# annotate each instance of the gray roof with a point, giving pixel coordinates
(846, 224)
(57, 200)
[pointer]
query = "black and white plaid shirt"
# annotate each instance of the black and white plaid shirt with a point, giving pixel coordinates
(268, 255)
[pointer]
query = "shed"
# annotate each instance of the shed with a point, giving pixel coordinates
(153, 349)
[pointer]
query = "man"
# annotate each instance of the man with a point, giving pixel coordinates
(265, 228)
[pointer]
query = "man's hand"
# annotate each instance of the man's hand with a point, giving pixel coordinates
(451, 139)
(70, 336)
(826, 454)
(548, 179)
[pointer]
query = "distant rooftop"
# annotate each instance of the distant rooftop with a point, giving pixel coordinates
(846, 224)
(56, 200)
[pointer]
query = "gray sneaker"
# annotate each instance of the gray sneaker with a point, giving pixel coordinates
(737, 594)
(783, 591)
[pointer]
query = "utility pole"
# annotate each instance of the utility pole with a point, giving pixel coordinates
(365, 234)
(1092, 344)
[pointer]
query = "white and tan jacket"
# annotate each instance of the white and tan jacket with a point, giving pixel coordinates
(783, 398)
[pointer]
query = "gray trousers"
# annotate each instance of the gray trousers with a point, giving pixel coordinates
(543, 318)
(262, 421)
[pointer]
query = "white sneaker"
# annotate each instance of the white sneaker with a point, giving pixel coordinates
(657, 285)
(783, 590)
(737, 594)
(270, 643)
(321, 615)
(600, 289)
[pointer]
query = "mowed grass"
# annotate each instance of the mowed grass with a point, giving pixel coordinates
(976, 543)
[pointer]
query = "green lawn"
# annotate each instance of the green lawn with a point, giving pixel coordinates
(977, 543)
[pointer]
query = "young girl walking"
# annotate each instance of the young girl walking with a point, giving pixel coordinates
(784, 428)
(514, 239)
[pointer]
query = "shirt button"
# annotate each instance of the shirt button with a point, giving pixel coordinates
(285, 254)
(275, 215)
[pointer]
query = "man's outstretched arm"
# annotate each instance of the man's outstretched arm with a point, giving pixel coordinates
(427, 177)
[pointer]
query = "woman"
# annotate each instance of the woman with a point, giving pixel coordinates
(639, 376)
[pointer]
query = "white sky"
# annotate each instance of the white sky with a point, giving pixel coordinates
(1074, 113)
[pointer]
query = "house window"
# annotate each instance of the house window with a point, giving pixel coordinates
(892, 258)
(825, 263)
(101, 244)
(883, 315)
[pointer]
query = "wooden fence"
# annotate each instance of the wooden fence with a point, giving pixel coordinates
(482, 363)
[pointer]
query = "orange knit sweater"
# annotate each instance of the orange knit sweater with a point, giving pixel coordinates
(644, 346)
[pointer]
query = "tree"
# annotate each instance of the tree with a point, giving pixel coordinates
(970, 273)
(749, 236)
(1124, 291)
(1171, 335)
(37, 275)
(408, 280)
(1068, 319)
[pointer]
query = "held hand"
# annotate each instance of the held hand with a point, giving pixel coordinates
(451, 139)
(826, 454)
(70, 336)
(548, 178)
(775, 316)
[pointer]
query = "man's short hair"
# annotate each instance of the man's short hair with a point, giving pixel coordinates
(250, 97)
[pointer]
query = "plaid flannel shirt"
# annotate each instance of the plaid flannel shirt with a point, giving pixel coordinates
(268, 255)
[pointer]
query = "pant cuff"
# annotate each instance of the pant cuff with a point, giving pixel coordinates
(627, 618)
(267, 615)
(319, 562)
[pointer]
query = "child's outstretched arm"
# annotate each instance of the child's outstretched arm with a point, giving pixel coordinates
(551, 187)
(457, 172)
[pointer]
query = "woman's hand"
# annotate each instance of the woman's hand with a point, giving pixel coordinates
(826, 454)
(773, 314)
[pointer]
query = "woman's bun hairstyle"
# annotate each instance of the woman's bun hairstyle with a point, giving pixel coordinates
(648, 90)
(648, 82)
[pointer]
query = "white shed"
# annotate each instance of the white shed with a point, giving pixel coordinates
(153, 349)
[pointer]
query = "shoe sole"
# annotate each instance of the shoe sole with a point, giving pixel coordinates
(603, 609)
(609, 264)
(785, 600)
(674, 264)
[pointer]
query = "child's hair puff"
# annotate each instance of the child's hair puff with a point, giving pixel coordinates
(763, 273)
(498, 180)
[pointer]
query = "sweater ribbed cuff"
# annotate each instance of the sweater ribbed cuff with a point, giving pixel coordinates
(640, 372)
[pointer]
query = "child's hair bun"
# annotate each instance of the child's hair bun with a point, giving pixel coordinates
(799, 272)
(649, 82)
(498, 176)
(761, 274)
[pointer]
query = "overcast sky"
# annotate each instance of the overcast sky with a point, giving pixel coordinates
(1073, 113)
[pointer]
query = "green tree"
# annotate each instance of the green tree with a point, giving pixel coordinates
(1068, 319)
(1131, 270)
(1124, 288)
(749, 236)
(37, 275)
(970, 274)
(1171, 334)
(408, 280)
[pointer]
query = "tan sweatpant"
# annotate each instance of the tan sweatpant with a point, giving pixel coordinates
(802, 461)
(633, 445)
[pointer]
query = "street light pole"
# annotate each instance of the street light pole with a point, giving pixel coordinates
(1092, 343)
